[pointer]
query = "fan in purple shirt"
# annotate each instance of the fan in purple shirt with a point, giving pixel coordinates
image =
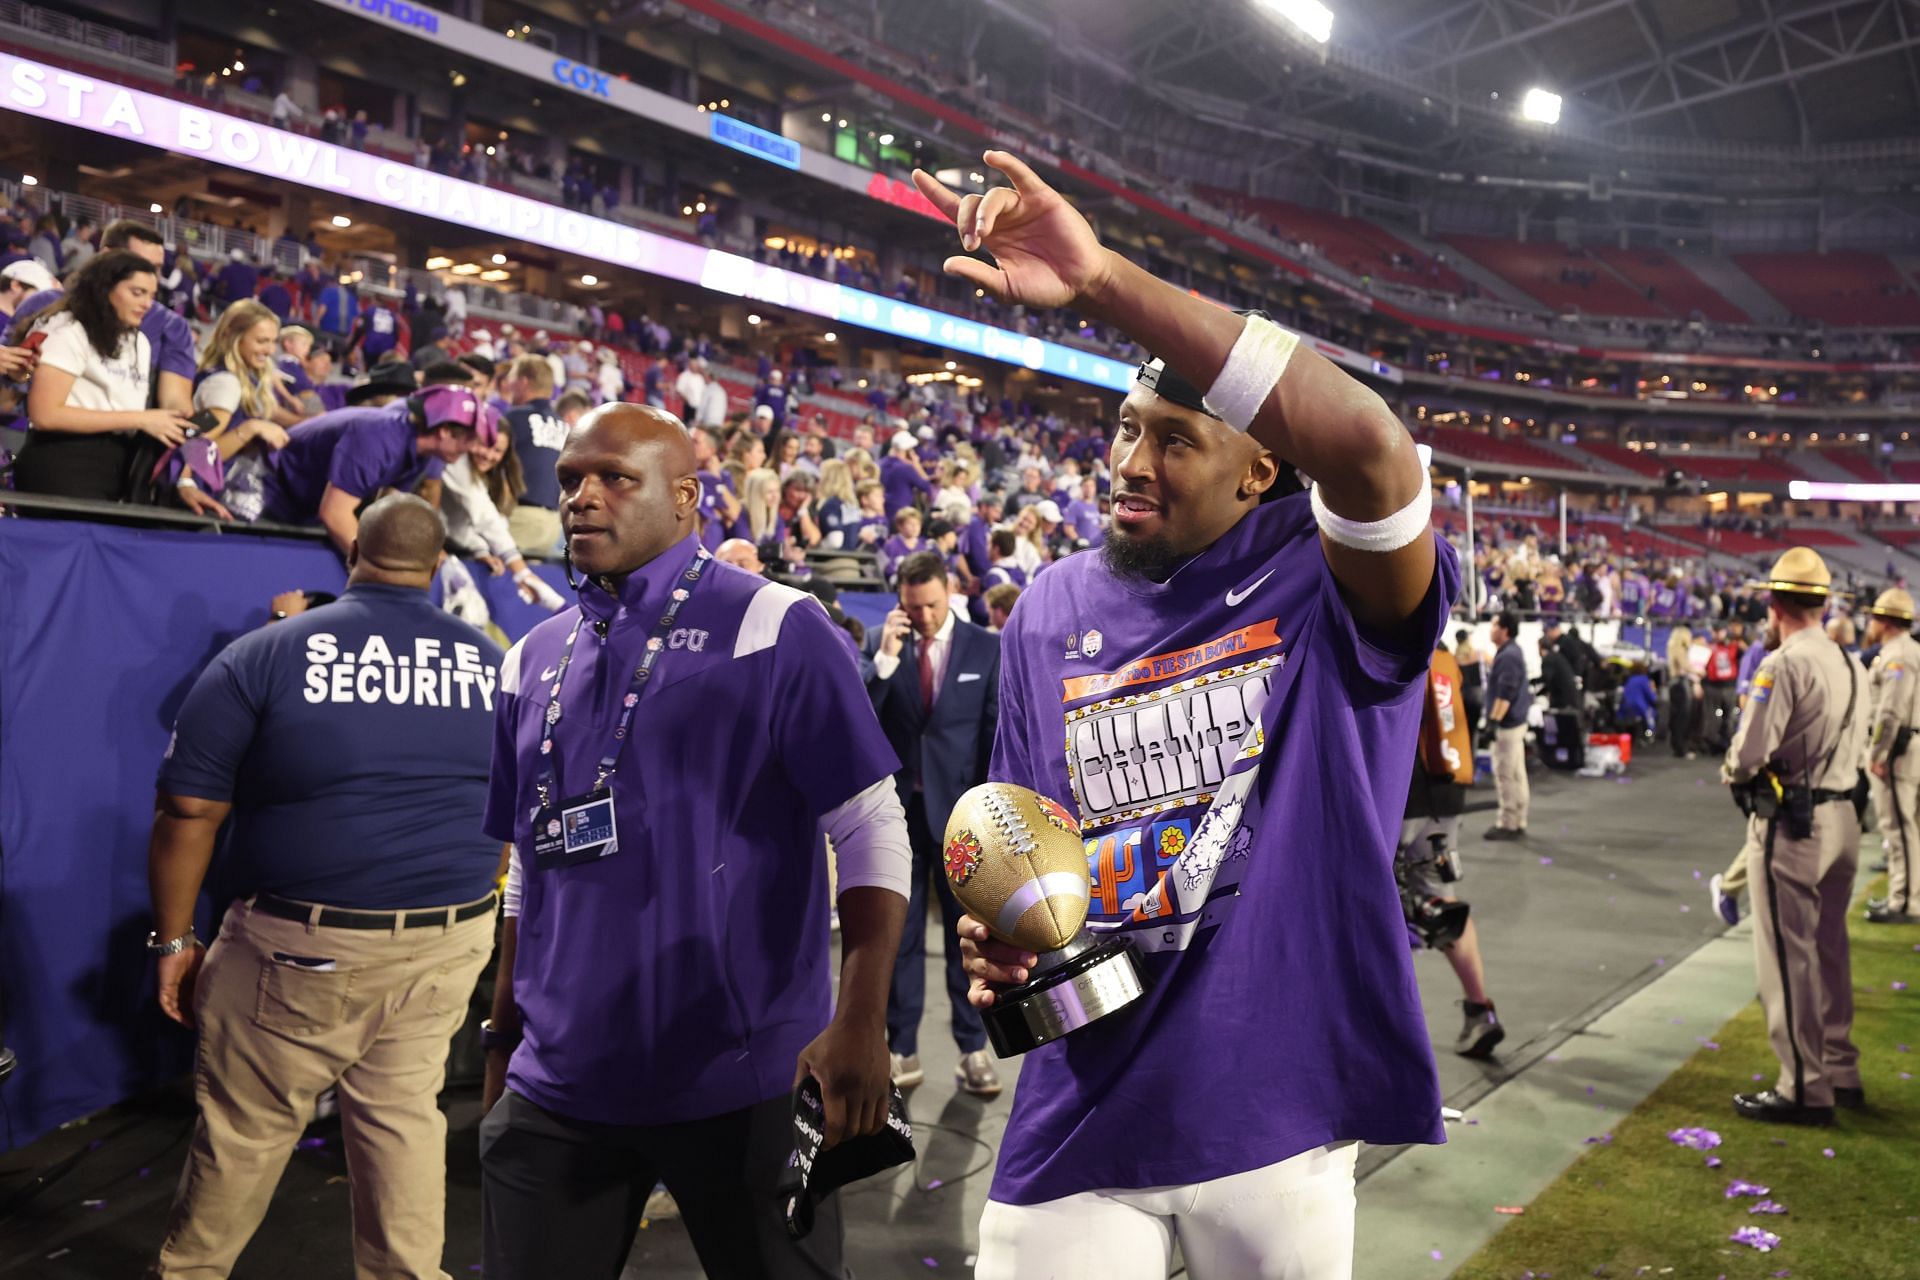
(1228, 693)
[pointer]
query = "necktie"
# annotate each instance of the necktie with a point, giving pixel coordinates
(926, 674)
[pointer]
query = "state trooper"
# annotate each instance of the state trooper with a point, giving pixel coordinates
(1795, 768)
(1893, 763)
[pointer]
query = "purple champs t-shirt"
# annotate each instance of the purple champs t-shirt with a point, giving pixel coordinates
(680, 977)
(358, 451)
(1281, 1012)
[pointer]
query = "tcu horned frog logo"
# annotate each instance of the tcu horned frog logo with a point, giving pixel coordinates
(963, 857)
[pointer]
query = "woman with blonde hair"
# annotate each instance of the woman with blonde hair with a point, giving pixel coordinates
(835, 507)
(863, 467)
(237, 379)
(760, 507)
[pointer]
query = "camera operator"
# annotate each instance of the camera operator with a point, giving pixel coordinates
(1795, 771)
(1427, 863)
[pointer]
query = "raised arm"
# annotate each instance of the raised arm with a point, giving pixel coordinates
(1292, 401)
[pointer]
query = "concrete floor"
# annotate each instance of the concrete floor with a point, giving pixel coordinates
(1585, 928)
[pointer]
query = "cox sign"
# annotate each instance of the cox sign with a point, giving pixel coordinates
(585, 79)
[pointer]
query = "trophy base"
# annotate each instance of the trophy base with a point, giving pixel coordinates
(1076, 985)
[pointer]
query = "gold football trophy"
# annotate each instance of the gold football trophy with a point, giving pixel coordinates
(1017, 863)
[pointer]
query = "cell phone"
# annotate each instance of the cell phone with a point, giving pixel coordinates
(202, 422)
(34, 340)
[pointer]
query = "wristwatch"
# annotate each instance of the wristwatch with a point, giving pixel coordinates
(491, 1039)
(172, 946)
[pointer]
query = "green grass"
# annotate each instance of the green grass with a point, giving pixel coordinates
(1643, 1206)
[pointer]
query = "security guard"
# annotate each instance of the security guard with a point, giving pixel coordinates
(1891, 759)
(347, 750)
(1795, 767)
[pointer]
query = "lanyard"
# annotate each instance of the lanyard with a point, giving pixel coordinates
(545, 786)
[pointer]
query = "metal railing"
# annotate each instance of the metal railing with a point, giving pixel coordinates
(91, 36)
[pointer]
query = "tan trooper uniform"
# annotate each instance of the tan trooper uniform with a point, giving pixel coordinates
(1894, 688)
(1798, 720)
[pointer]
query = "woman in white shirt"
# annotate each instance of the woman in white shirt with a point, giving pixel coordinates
(87, 404)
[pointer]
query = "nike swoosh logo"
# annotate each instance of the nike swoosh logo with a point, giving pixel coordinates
(1236, 598)
(550, 673)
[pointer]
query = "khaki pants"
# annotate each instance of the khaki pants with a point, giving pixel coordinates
(1734, 878)
(1801, 889)
(1510, 776)
(1893, 809)
(536, 530)
(275, 1035)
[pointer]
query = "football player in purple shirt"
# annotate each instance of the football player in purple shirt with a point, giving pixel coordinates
(1228, 695)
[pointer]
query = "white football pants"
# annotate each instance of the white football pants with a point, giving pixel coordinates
(1287, 1221)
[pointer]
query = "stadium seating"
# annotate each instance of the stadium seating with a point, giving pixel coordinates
(1352, 244)
(1859, 465)
(1534, 268)
(1838, 288)
(1505, 450)
(1732, 467)
(1646, 464)
(1905, 470)
(1676, 289)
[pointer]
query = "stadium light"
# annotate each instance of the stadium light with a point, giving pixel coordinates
(753, 319)
(830, 337)
(886, 139)
(499, 259)
(342, 221)
(1314, 19)
(28, 180)
(1541, 107)
(439, 263)
(154, 208)
(589, 280)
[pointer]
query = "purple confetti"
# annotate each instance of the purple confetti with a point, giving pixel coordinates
(1741, 1187)
(1900, 1048)
(1782, 1272)
(929, 1262)
(1605, 1139)
(1758, 1076)
(1708, 1044)
(1546, 862)
(1906, 1075)
(1437, 1256)
(1476, 1119)
(1764, 1241)
(1589, 1091)
(310, 1144)
(1713, 1162)
(936, 1183)
(94, 1204)
(1899, 986)
(1696, 875)
(1768, 1206)
(1827, 1152)
(1661, 961)
(1697, 1138)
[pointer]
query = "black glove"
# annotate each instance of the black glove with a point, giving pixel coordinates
(1484, 738)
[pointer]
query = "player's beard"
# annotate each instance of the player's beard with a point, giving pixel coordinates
(1152, 558)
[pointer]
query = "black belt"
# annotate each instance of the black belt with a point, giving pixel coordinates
(342, 918)
(1826, 795)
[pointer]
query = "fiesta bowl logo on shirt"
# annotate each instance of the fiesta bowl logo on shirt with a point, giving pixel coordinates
(1091, 643)
(1055, 813)
(962, 857)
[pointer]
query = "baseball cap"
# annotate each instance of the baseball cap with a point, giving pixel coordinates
(30, 273)
(1049, 510)
(763, 411)
(445, 406)
(903, 440)
(926, 431)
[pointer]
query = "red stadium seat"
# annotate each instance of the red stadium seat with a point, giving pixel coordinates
(1535, 269)
(1676, 289)
(1838, 288)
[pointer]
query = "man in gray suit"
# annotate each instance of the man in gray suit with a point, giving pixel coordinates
(936, 688)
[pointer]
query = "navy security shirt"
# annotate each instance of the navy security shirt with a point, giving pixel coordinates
(537, 437)
(353, 741)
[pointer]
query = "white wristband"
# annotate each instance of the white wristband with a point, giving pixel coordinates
(1259, 356)
(1394, 532)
